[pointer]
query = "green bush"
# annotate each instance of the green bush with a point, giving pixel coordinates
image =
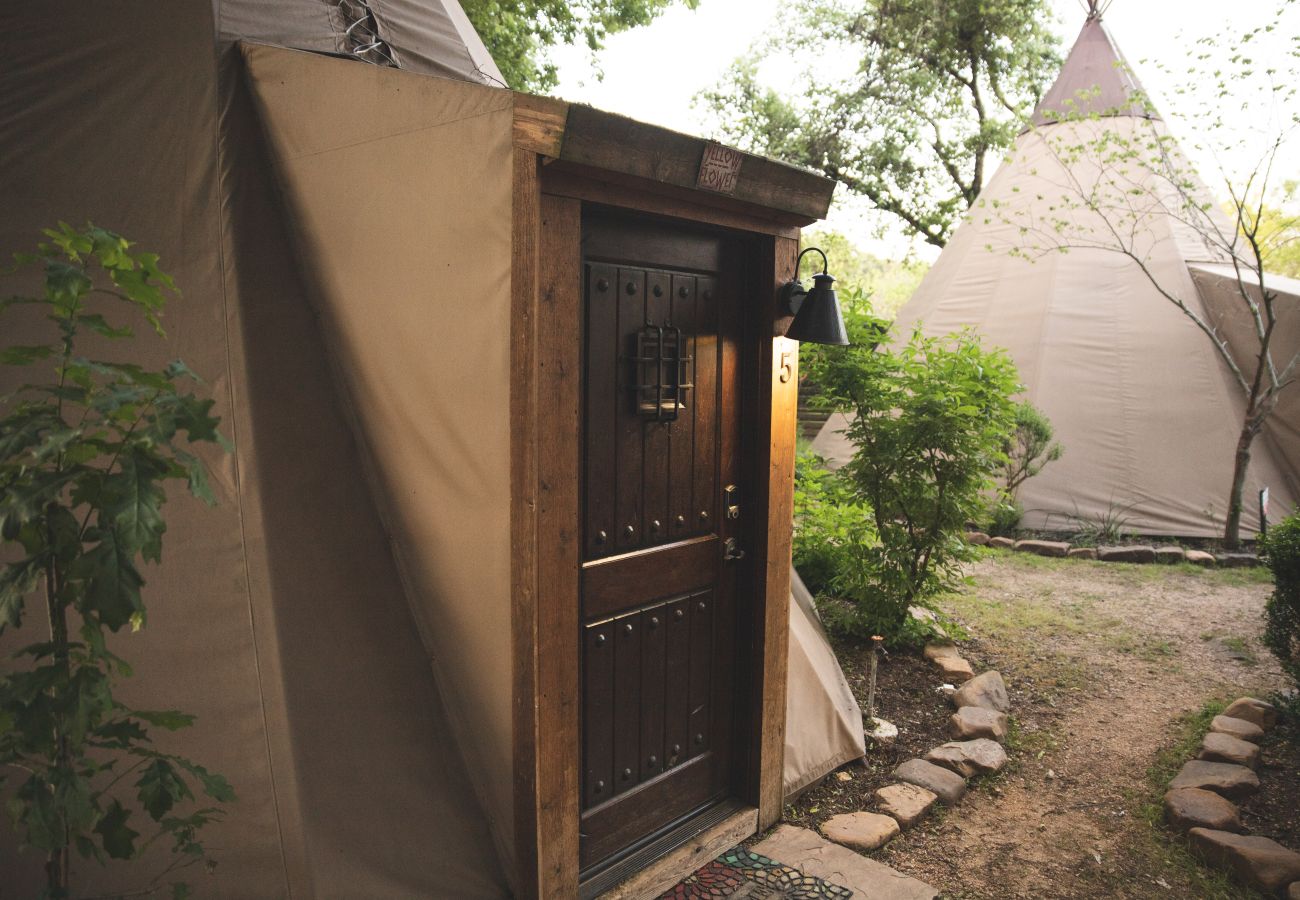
(1028, 449)
(1280, 549)
(828, 522)
(1004, 516)
(933, 418)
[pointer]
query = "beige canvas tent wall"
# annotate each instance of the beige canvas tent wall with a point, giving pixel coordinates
(1146, 411)
(369, 625)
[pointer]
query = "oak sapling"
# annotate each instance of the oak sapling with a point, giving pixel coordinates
(84, 457)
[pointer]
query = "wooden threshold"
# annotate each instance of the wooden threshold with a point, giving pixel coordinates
(738, 822)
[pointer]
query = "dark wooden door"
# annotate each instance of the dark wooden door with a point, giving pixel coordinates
(663, 509)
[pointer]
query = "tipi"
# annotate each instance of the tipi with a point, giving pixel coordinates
(378, 627)
(1147, 413)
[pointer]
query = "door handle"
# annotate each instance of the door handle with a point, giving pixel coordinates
(731, 550)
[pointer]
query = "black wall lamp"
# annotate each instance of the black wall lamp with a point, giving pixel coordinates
(817, 317)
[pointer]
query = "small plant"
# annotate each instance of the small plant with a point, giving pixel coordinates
(828, 522)
(1029, 448)
(932, 420)
(1004, 516)
(83, 460)
(1280, 550)
(1109, 527)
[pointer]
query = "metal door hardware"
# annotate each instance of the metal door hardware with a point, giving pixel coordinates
(731, 550)
(731, 501)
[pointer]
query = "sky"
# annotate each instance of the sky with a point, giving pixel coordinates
(654, 73)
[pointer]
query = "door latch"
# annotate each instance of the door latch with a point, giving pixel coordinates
(731, 501)
(731, 550)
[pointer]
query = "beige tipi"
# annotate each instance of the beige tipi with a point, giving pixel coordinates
(1147, 413)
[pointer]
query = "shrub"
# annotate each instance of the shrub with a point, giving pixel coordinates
(1028, 449)
(1280, 549)
(932, 419)
(828, 522)
(1004, 516)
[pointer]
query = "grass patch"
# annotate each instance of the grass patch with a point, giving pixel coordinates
(1166, 848)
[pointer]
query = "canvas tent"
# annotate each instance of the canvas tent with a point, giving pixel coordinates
(361, 624)
(1146, 411)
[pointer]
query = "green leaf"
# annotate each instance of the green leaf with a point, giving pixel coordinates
(112, 584)
(98, 324)
(17, 580)
(65, 285)
(214, 785)
(161, 788)
(117, 837)
(171, 719)
(25, 355)
(132, 500)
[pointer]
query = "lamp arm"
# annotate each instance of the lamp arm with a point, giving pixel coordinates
(799, 260)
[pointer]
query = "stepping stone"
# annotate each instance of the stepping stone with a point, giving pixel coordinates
(1044, 548)
(861, 830)
(1237, 560)
(1127, 554)
(972, 722)
(1188, 808)
(987, 690)
(936, 650)
(812, 854)
(1293, 892)
(907, 803)
(978, 538)
(954, 668)
(1170, 555)
(948, 786)
(969, 758)
(1218, 747)
(1002, 543)
(1258, 861)
(1082, 553)
(1238, 728)
(1254, 711)
(1201, 558)
(1231, 781)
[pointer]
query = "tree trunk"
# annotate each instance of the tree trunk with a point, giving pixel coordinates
(1232, 529)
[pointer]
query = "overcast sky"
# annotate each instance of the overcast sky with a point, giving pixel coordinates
(653, 73)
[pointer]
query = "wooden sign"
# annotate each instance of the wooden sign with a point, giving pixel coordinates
(719, 169)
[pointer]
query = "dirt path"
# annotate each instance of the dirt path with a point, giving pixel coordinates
(1104, 664)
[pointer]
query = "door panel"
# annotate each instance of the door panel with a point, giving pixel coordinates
(661, 433)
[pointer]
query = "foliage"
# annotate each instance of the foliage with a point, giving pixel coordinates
(1004, 516)
(83, 462)
(1277, 223)
(859, 275)
(518, 33)
(1280, 549)
(931, 420)
(1119, 184)
(1105, 528)
(1029, 448)
(937, 89)
(828, 522)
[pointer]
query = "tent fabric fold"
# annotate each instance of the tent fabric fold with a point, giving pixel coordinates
(823, 728)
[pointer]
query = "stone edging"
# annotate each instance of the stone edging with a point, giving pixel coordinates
(1134, 553)
(1200, 801)
(978, 728)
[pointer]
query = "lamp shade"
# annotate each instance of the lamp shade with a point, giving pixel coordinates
(819, 320)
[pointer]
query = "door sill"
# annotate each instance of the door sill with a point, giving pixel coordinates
(678, 852)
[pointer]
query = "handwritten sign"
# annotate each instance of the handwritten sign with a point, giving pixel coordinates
(719, 169)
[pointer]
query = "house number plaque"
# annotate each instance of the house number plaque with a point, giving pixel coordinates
(719, 169)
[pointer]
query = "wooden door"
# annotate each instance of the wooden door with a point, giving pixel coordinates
(662, 537)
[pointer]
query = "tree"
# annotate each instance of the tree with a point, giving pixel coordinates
(83, 460)
(939, 88)
(518, 33)
(930, 419)
(1120, 180)
(1029, 448)
(888, 283)
(1278, 226)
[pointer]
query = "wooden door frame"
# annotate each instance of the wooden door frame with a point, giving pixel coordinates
(546, 458)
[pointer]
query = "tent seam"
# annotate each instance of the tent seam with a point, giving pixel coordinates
(384, 137)
(222, 197)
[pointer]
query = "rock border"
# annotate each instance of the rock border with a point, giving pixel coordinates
(979, 730)
(1167, 554)
(1202, 797)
